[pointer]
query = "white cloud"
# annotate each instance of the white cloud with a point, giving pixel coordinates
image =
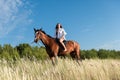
(111, 45)
(8, 8)
(12, 15)
(86, 30)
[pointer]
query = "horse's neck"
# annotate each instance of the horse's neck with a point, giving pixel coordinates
(45, 40)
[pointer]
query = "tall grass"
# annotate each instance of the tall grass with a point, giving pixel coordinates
(66, 69)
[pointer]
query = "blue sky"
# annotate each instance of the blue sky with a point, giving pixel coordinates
(92, 23)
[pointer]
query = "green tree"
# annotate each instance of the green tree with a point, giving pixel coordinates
(1, 49)
(117, 54)
(40, 53)
(91, 53)
(24, 50)
(111, 54)
(102, 53)
(5, 55)
(9, 52)
(83, 54)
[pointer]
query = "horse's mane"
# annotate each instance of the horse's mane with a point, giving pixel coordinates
(44, 33)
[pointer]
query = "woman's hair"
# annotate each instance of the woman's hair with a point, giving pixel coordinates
(57, 26)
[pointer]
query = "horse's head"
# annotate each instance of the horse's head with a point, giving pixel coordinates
(37, 35)
(41, 35)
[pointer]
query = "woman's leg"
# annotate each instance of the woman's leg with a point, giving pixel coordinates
(61, 41)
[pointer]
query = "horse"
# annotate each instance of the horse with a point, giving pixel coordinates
(54, 49)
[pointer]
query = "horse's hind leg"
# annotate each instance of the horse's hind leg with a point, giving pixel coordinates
(78, 59)
(72, 54)
(75, 57)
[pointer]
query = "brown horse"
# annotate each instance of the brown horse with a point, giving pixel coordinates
(54, 49)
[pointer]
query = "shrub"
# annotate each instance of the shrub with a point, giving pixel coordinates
(25, 50)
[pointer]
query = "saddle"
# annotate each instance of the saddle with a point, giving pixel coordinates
(65, 42)
(57, 40)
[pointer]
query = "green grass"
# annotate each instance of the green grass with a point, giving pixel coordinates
(66, 69)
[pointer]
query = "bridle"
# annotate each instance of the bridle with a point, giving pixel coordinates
(37, 41)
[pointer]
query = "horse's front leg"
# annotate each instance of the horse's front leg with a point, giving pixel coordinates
(56, 58)
(52, 59)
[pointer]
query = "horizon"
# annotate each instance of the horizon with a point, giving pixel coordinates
(93, 24)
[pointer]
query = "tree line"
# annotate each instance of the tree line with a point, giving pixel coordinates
(34, 52)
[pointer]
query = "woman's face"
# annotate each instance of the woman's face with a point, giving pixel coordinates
(58, 26)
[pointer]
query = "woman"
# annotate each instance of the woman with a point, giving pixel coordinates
(60, 34)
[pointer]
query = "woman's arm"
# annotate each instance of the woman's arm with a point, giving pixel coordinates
(63, 33)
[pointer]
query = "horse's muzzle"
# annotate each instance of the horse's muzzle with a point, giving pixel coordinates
(35, 40)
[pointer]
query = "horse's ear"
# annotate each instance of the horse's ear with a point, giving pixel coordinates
(35, 30)
(41, 29)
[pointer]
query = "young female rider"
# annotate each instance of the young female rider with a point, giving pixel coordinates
(60, 34)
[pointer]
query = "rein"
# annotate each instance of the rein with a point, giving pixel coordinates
(36, 43)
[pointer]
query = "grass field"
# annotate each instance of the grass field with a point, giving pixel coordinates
(66, 69)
